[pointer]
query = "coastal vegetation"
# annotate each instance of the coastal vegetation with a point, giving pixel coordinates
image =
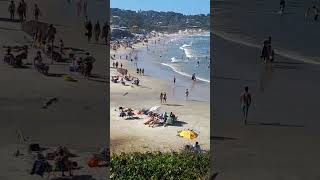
(158, 21)
(159, 165)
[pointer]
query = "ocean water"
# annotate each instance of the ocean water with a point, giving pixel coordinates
(184, 55)
(187, 55)
(177, 56)
(250, 22)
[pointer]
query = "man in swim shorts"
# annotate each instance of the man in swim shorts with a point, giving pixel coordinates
(245, 100)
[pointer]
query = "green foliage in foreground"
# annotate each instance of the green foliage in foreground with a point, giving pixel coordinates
(160, 166)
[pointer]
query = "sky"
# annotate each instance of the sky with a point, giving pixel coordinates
(187, 7)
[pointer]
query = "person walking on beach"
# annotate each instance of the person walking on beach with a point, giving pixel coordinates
(79, 7)
(282, 5)
(97, 31)
(117, 64)
(143, 72)
(36, 12)
(24, 6)
(161, 97)
(316, 13)
(264, 52)
(174, 79)
(245, 101)
(307, 15)
(187, 94)
(51, 34)
(20, 11)
(12, 9)
(164, 98)
(121, 65)
(89, 30)
(61, 46)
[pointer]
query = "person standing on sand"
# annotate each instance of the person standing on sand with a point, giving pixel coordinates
(89, 30)
(36, 12)
(187, 94)
(245, 101)
(161, 97)
(97, 31)
(282, 5)
(143, 72)
(117, 64)
(121, 65)
(20, 12)
(316, 13)
(51, 34)
(307, 15)
(24, 6)
(174, 79)
(79, 7)
(12, 10)
(61, 46)
(85, 8)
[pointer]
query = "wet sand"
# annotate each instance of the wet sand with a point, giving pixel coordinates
(279, 142)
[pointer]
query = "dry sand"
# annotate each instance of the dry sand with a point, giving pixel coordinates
(133, 135)
(78, 120)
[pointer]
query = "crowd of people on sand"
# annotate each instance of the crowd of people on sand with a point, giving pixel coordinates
(153, 118)
(140, 71)
(61, 160)
(21, 10)
(125, 79)
(44, 41)
(96, 30)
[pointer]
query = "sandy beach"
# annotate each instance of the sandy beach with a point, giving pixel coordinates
(279, 141)
(133, 135)
(78, 120)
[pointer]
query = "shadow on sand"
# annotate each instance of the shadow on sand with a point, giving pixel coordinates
(172, 104)
(232, 79)
(56, 74)
(221, 138)
(78, 177)
(273, 124)
(10, 20)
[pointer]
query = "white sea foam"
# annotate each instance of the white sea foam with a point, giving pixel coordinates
(184, 73)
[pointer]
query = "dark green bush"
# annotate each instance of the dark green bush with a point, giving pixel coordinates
(160, 166)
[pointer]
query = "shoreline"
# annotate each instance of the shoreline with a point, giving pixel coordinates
(278, 118)
(138, 137)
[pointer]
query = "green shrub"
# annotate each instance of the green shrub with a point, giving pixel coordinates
(160, 166)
